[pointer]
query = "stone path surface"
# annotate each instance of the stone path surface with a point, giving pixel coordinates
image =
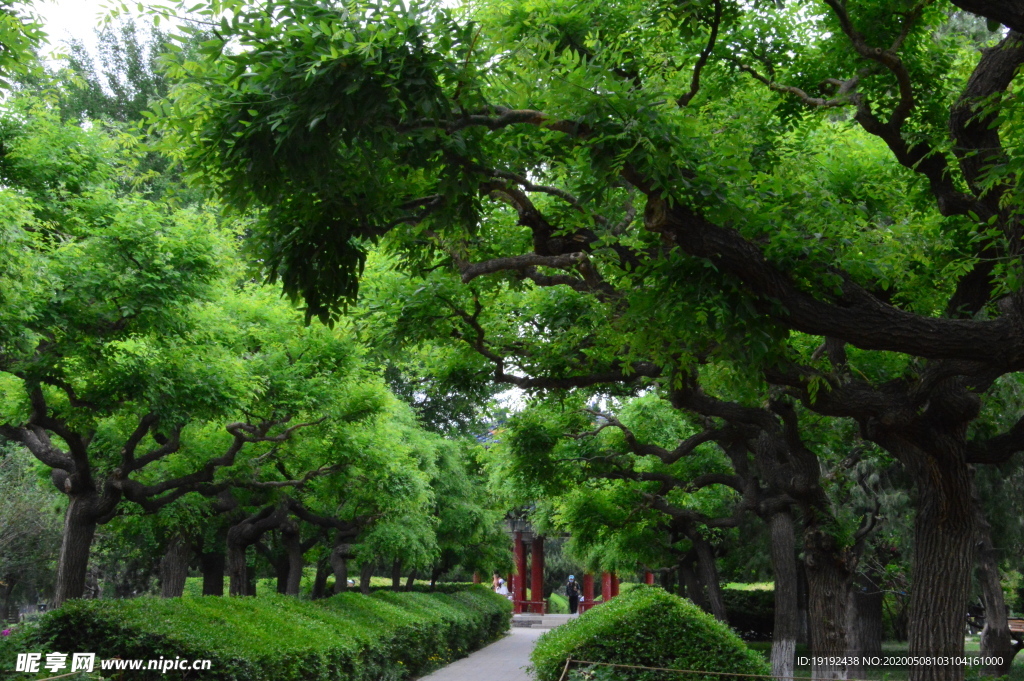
(503, 660)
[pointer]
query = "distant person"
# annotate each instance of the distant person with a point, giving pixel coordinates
(495, 578)
(572, 590)
(502, 590)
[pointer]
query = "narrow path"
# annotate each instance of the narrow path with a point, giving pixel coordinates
(503, 660)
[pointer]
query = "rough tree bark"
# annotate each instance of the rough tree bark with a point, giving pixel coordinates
(293, 547)
(323, 571)
(174, 566)
(709, 577)
(339, 561)
(828, 588)
(411, 581)
(865, 616)
(944, 535)
(787, 625)
(80, 521)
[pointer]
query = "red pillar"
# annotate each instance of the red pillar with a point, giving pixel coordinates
(537, 574)
(520, 577)
(606, 586)
(615, 585)
(588, 592)
(649, 578)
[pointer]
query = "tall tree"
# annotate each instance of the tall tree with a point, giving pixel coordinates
(522, 149)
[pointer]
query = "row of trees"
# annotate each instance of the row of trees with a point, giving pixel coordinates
(159, 384)
(790, 223)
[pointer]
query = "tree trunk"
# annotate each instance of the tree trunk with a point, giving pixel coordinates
(238, 577)
(944, 553)
(411, 580)
(5, 606)
(689, 579)
(709, 576)
(996, 641)
(323, 569)
(339, 561)
(396, 575)
(79, 530)
(212, 564)
(865, 616)
(293, 546)
(787, 624)
(828, 595)
(174, 566)
(365, 573)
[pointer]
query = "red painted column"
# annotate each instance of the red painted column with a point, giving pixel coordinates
(649, 578)
(606, 586)
(588, 592)
(537, 574)
(520, 578)
(615, 585)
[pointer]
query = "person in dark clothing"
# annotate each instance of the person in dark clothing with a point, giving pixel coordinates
(572, 590)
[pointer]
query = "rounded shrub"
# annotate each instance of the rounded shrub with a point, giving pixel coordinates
(651, 628)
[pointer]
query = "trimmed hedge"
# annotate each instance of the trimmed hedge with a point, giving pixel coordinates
(349, 637)
(751, 612)
(646, 626)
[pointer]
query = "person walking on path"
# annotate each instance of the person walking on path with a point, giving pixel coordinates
(572, 590)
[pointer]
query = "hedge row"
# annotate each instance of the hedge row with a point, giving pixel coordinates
(650, 627)
(751, 613)
(349, 637)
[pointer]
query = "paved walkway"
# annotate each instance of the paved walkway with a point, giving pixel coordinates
(501, 661)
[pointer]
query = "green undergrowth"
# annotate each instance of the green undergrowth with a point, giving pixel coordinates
(649, 627)
(348, 637)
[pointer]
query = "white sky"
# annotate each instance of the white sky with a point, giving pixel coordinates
(77, 18)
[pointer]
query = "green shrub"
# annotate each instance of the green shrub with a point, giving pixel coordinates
(650, 627)
(751, 612)
(349, 637)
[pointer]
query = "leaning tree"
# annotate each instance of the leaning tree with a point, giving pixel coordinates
(826, 193)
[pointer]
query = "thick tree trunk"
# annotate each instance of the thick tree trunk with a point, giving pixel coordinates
(787, 625)
(293, 546)
(828, 595)
(689, 579)
(944, 553)
(708, 571)
(238, 576)
(323, 570)
(174, 566)
(396, 575)
(996, 641)
(212, 564)
(365, 573)
(412, 580)
(73, 563)
(804, 636)
(865, 617)
(339, 561)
